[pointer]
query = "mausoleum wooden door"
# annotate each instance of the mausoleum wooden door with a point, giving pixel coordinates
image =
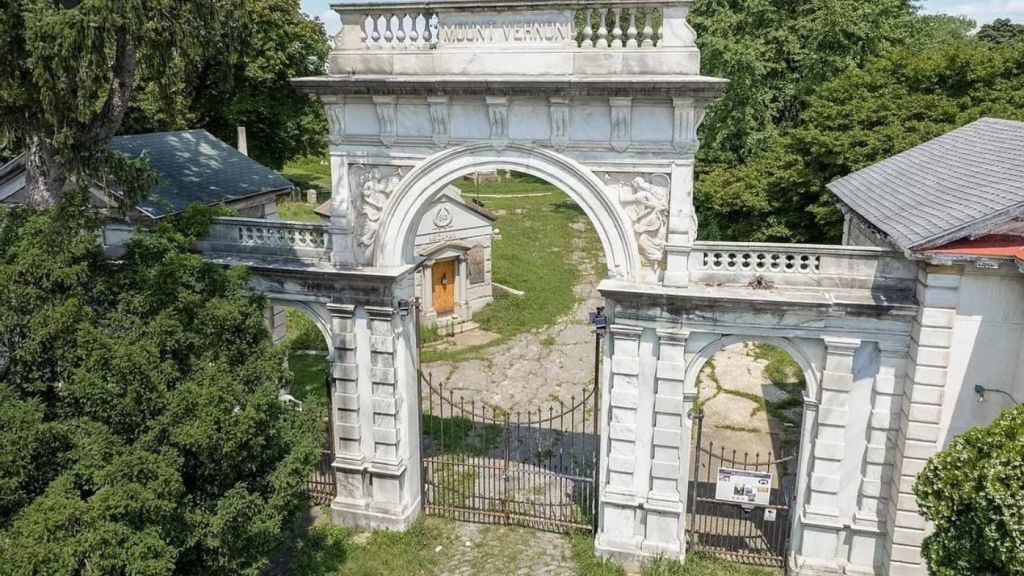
(444, 286)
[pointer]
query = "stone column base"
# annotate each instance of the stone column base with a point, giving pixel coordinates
(349, 514)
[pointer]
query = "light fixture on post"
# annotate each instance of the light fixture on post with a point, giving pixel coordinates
(403, 308)
(980, 391)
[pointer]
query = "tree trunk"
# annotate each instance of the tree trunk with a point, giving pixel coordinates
(44, 176)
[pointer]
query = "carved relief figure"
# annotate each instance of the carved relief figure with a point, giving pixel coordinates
(375, 188)
(646, 203)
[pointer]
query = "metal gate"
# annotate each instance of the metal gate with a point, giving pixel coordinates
(321, 484)
(755, 531)
(483, 464)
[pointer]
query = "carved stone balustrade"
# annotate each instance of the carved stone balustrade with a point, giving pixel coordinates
(247, 239)
(794, 265)
(506, 37)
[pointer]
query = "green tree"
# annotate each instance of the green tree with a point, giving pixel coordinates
(72, 71)
(237, 74)
(1001, 31)
(940, 80)
(973, 493)
(140, 430)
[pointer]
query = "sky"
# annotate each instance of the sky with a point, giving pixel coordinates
(982, 11)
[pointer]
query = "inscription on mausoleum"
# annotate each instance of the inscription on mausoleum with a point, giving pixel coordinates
(498, 30)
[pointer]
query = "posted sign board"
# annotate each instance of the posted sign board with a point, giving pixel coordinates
(744, 486)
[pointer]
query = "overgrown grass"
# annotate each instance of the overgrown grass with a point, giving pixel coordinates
(781, 370)
(461, 435)
(310, 172)
(700, 565)
(297, 212)
(587, 563)
(308, 371)
(331, 550)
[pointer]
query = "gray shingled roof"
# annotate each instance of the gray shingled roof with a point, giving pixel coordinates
(194, 166)
(944, 189)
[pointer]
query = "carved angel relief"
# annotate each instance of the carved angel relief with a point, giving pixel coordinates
(374, 186)
(646, 203)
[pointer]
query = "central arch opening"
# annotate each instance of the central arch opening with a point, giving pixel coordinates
(507, 284)
(746, 448)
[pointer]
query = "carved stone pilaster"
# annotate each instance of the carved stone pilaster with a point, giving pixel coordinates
(560, 125)
(439, 119)
(622, 123)
(386, 431)
(883, 425)
(348, 454)
(387, 118)
(833, 417)
(497, 115)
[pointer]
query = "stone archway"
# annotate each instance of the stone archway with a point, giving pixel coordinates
(425, 182)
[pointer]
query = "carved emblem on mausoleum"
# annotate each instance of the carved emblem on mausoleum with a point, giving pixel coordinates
(645, 199)
(443, 219)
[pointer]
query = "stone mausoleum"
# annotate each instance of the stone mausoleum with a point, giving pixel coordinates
(454, 241)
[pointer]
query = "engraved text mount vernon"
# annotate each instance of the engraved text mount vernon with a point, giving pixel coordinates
(503, 30)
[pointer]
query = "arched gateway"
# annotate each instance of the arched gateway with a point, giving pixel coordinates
(603, 100)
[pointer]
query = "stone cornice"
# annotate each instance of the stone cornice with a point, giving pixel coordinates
(699, 87)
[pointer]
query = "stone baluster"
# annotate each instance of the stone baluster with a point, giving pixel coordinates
(400, 34)
(648, 33)
(833, 417)
(617, 30)
(427, 35)
(588, 28)
(631, 32)
(375, 35)
(602, 29)
(414, 31)
(364, 38)
(661, 27)
(389, 35)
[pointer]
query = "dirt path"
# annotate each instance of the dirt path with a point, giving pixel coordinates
(537, 369)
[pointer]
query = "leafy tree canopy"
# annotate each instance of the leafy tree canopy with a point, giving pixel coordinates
(972, 491)
(797, 120)
(72, 71)
(1001, 31)
(140, 430)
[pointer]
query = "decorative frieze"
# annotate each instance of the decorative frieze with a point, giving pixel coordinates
(497, 116)
(439, 119)
(387, 121)
(621, 123)
(560, 125)
(687, 119)
(334, 109)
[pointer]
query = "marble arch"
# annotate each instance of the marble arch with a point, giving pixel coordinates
(428, 179)
(421, 92)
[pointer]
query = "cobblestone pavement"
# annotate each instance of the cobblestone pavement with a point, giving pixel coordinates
(481, 550)
(536, 369)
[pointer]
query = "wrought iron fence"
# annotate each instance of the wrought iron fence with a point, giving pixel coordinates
(755, 531)
(484, 464)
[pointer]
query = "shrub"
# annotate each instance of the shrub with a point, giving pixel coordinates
(973, 492)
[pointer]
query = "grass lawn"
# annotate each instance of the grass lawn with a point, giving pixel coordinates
(306, 173)
(533, 255)
(431, 545)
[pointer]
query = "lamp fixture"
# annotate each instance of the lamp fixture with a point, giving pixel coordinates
(980, 391)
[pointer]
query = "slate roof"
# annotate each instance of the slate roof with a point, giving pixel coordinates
(944, 189)
(194, 166)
